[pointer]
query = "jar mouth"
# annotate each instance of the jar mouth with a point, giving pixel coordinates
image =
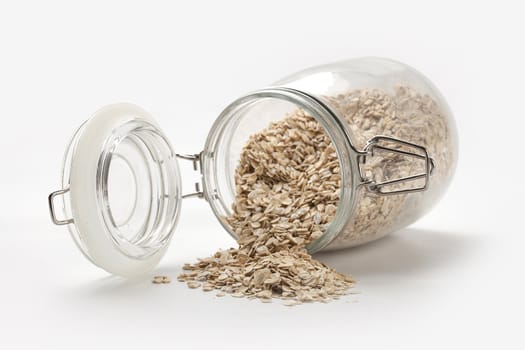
(246, 116)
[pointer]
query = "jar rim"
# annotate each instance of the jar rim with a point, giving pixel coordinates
(339, 134)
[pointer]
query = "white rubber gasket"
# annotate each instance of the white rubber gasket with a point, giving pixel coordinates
(85, 210)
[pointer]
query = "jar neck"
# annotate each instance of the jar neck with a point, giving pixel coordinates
(248, 115)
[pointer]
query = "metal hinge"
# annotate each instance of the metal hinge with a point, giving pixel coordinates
(197, 166)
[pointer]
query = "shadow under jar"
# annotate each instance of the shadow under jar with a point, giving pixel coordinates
(391, 129)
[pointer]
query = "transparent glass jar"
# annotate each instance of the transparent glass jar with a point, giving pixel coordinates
(391, 129)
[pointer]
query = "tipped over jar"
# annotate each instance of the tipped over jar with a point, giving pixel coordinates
(392, 131)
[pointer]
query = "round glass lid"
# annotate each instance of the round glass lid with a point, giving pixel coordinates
(121, 190)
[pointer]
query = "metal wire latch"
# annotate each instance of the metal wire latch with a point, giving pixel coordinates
(52, 211)
(197, 166)
(397, 146)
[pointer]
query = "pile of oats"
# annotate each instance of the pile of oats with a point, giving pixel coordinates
(292, 275)
(287, 192)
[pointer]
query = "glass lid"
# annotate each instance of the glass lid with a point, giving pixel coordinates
(121, 190)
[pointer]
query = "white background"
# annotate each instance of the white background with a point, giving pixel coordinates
(452, 280)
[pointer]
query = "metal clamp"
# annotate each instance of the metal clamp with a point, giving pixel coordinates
(197, 166)
(374, 145)
(51, 199)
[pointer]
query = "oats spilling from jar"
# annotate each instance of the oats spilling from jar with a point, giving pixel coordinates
(287, 191)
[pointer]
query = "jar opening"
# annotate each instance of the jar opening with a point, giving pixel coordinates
(251, 114)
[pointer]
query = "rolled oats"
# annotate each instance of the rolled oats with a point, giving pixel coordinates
(161, 280)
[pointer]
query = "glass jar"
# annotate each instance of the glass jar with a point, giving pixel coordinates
(391, 129)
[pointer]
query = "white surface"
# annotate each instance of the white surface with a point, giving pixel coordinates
(453, 280)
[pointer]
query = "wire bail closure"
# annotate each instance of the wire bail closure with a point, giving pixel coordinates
(377, 144)
(374, 145)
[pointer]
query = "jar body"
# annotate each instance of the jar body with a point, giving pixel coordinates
(355, 101)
